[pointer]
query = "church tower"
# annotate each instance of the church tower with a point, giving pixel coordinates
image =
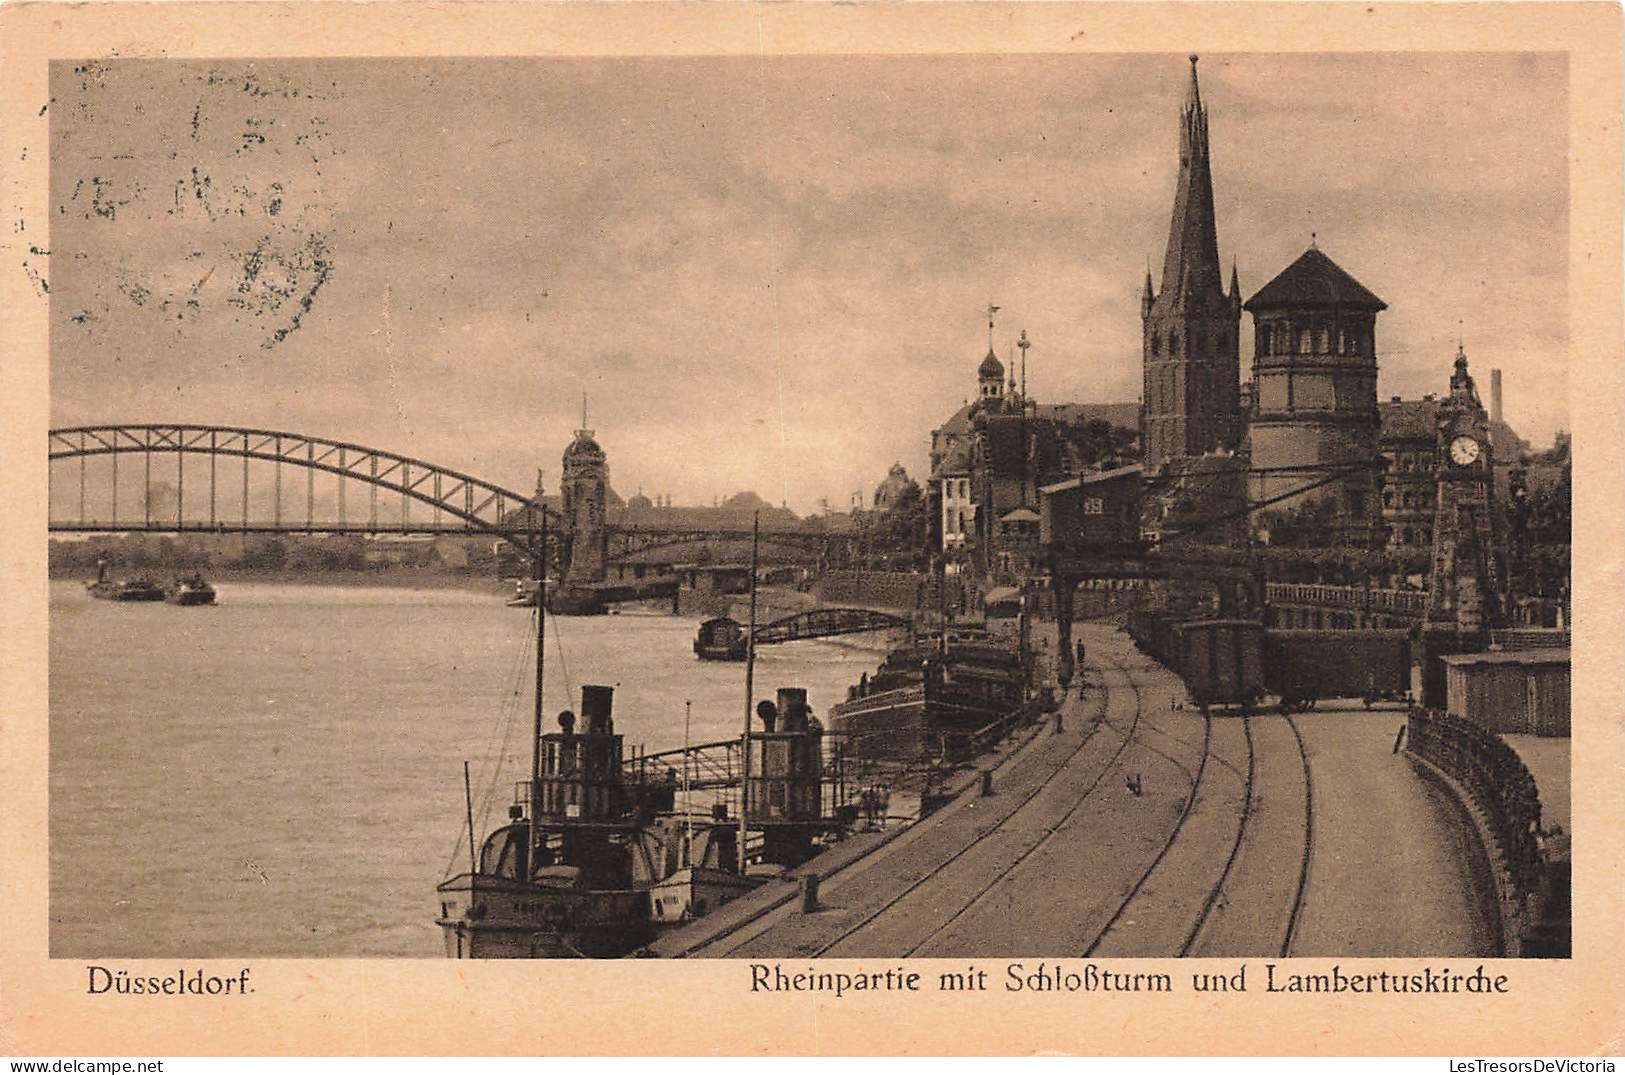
(1191, 327)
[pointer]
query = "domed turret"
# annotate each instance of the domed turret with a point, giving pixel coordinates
(583, 448)
(990, 376)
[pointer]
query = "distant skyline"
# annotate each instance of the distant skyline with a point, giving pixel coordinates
(765, 273)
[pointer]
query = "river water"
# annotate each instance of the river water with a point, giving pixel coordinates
(281, 774)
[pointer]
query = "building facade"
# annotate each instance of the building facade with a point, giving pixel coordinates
(1407, 440)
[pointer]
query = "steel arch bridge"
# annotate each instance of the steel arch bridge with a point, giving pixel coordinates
(474, 506)
(457, 503)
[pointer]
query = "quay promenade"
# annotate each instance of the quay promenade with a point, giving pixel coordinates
(1143, 829)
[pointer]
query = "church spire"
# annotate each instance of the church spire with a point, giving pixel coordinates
(1190, 271)
(1193, 96)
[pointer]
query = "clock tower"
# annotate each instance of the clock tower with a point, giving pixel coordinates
(1464, 588)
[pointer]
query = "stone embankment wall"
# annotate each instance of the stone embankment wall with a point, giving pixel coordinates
(1500, 796)
(894, 591)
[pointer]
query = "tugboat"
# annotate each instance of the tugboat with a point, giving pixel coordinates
(192, 590)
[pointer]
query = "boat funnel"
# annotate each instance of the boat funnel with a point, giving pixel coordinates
(769, 714)
(793, 708)
(567, 721)
(597, 705)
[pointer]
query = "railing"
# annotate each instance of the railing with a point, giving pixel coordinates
(1319, 595)
(827, 623)
(1502, 797)
(710, 765)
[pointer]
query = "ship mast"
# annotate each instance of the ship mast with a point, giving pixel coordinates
(688, 812)
(750, 683)
(538, 561)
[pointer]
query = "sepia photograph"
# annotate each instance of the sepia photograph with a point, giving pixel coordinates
(857, 506)
(802, 506)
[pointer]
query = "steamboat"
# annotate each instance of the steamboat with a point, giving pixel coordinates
(597, 854)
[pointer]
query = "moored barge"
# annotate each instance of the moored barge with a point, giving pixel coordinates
(927, 699)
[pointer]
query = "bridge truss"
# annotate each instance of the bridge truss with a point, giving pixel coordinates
(457, 503)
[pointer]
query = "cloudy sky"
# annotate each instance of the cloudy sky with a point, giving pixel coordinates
(764, 273)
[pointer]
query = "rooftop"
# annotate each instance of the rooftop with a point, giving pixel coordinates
(1314, 280)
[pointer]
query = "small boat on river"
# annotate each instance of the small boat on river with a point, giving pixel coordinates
(194, 590)
(721, 639)
(137, 589)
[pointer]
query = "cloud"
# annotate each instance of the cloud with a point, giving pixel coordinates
(764, 273)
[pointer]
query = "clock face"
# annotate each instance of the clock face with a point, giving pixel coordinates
(1463, 451)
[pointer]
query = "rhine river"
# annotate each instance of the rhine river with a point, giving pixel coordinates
(281, 774)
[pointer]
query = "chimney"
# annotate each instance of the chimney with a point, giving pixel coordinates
(1495, 395)
(597, 704)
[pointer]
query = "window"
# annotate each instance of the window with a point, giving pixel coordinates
(1094, 506)
(1305, 341)
(1156, 343)
(1263, 341)
(1325, 341)
(1173, 344)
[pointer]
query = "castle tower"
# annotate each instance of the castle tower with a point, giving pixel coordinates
(1191, 327)
(1315, 372)
(585, 488)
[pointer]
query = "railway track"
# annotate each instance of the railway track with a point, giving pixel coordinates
(1173, 833)
(1051, 830)
(1198, 934)
(1097, 721)
(1136, 732)
(1235, 845)
(1308, 841)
